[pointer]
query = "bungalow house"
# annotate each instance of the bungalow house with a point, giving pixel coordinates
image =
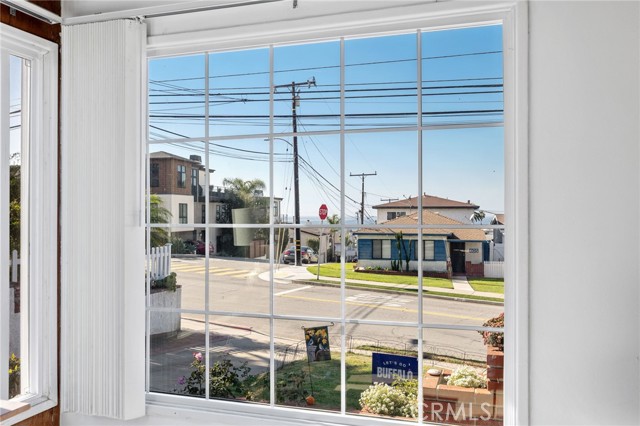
(457, 210)
(446, 250)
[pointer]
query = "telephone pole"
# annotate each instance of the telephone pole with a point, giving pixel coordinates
(362, 175)
(295, 101)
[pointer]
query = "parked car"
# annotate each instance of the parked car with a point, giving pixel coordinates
(200, 248)
(306, 253)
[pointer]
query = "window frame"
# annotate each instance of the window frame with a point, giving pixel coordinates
(42, 318)
(513, 16)
(183, 218)
(181, 173)
(154, 179)
(424, 249)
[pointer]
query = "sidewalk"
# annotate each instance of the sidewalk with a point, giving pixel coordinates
(299, 273)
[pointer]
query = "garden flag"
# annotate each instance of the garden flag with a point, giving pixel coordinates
(317, 342)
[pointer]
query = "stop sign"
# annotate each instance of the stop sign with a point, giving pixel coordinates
(323, 211)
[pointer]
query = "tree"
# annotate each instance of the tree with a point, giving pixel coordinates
(245, 194)
(333, 220)
(245, 190)
(477, 216)
(158, 214)
(314, 244)
(14, 206)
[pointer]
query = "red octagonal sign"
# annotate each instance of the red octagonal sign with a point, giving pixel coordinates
(323, 211)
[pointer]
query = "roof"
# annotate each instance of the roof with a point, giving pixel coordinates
(428, 218)
(428, 202)
(163, 154)
(498, 220)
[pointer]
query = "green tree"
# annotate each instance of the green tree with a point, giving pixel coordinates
(158, 214)
(314, 244)
(334, 219)
(477, 216)
(14, 206)
(245, 194)
(244, 191)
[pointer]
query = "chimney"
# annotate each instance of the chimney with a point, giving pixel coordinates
(195, 158)
(468, 201)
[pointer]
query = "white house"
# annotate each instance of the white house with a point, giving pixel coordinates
(457, 210)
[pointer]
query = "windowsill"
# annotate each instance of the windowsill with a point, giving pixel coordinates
(24, 411)
(12, 408)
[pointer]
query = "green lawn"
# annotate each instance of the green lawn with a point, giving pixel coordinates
(493, 285)
(333, 270)
(325, 376)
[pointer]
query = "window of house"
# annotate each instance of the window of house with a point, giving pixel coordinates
(182, 176)
(194, 182)
(154, 177)
(28, 206)
(324, 123)
(429, 250)
(182, 207)
(377, 249)
(204, 213)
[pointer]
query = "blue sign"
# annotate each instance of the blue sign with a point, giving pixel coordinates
(385, 368)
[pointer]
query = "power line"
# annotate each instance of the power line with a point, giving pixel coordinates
(459, 55)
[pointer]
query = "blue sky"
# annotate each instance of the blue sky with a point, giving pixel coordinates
(462, 77)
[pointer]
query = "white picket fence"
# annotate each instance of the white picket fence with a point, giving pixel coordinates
(14, 263)
(160, 262)
(494, 269)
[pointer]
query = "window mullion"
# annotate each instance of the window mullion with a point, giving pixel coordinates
(420, 248)
(207, 235)
(4, 218)
(343, 308)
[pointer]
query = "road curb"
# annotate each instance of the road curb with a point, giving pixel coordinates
(394, 291)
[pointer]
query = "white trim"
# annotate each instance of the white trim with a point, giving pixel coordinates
(516, 101)
(43, 214)
(513, 16)
(331, 25)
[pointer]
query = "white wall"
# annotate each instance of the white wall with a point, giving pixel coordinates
(584, 161)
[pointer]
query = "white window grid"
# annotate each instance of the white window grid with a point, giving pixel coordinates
(420, 128)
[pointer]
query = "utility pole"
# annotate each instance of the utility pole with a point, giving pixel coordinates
(295, 100)
(362, 175)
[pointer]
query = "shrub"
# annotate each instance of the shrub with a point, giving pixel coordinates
(494, 338)
(170, 282)
(290, 387)
(467, 377)
(400, 399)
(14, 376)
(225, 379)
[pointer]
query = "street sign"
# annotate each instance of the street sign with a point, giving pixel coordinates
(323, 211)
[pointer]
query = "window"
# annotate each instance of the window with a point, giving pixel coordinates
(194, 182)
(28, 206)
(182, 176)
(377, 249)
(429, 253)
(183, 213)
(408, 96)
(204, 213)
(155, 175)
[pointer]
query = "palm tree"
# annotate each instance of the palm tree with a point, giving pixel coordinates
(158, 214)
(477, 216)
(245, 190)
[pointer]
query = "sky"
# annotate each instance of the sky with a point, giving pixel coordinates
(461, 84)
(15, 83)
